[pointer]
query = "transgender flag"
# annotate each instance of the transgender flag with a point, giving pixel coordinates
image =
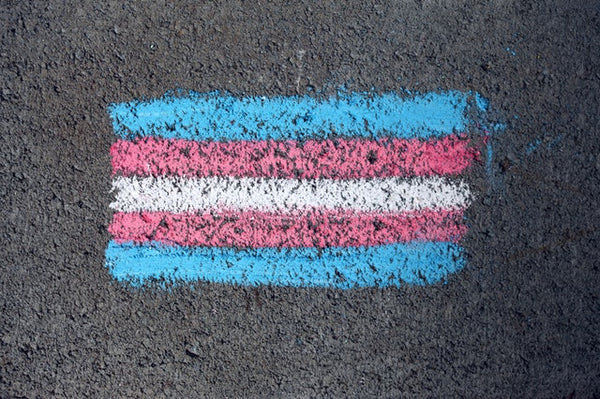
(354, 190)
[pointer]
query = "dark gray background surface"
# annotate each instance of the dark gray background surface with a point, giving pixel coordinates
(521, 320)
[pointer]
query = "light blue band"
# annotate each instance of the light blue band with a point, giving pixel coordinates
(377, 266)
(219, 117)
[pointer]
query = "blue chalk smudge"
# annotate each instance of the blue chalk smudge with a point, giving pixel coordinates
(378, 266)
(499, 127)
(554, 142)
(489, 160)
(534, 145)
(491, 132)
(215, 116)
(482, 102)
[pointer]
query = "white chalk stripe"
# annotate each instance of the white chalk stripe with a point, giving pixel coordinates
(175, 194)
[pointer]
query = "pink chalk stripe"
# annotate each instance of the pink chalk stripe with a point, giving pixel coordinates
(315, 228)
(332, 159)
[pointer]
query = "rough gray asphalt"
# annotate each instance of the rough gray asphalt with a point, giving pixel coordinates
(521, 320)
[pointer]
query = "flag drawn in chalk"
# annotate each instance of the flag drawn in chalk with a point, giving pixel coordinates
(355, 190)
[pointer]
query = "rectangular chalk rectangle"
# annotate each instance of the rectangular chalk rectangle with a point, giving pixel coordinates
(353, 190)
(224, 117)
(292, 159)
(377, 266)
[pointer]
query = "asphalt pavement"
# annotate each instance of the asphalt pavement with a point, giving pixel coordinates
(520, 319)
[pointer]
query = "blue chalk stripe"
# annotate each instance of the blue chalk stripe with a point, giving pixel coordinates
(379, 266)
(225, 117)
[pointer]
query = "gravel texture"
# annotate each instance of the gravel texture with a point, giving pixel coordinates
(521, 320)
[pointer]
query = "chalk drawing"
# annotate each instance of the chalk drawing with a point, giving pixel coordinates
(354, 190)
(489, 129)
(550, 140)
(392, 194)
(310, 159)
(219, 117)
(417, 262)
(532, 146)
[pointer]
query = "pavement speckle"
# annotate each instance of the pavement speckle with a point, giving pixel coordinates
(520, 320)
